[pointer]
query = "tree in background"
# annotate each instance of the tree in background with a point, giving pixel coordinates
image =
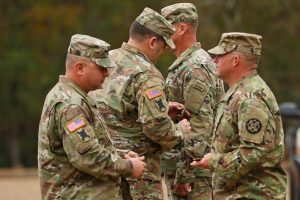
(34, 38)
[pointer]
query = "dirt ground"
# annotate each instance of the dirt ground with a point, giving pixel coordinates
(19, 184)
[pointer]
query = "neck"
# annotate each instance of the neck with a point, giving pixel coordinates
(185, 42)
(70, 76)
(238, 76)
(141, 46)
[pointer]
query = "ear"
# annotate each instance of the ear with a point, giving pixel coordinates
(152, 42)
(182, 28)
(236, 59)
(78, 68)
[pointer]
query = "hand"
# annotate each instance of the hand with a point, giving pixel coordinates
(130, 154)
(177, 111)
(182, 189)
(203, 163)
(187, 126)
(138, 166)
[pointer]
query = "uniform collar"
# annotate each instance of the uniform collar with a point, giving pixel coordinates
(184, 55)
(136, 51)
(238, 84)
(64, 80)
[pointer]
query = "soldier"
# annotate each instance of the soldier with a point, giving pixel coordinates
(135, 106)
(76, 158)
(248, 136)
(191, 81)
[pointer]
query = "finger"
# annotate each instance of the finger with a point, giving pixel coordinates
(132, 154)
(141, 158)
(184, 121)
(194, 163)
(126, 156)
(188, 189)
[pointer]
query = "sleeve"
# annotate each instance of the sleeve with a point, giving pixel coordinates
(197, 98)
(83, 146)
(153, 114)
(253, 125)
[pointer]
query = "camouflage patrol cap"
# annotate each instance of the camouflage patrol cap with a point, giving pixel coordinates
(158, 24)
(180, 12)
(92, 48)
(235, 41)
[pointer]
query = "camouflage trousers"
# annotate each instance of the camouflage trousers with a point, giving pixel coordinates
(142, 189)
(201, 189)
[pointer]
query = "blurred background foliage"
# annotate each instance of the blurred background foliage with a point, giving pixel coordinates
(35, 35)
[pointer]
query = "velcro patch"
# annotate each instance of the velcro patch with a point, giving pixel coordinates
(160, 105)
(153, 92)
(253, 126)
(76, 124)
(83, 135)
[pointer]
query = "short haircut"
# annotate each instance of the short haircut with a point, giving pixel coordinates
(139, 32)
(250, 58)
(72, 59)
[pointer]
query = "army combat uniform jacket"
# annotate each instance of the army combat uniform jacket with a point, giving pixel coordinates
(248, 143)
(136, 110)
(76, 159)
(191, 81)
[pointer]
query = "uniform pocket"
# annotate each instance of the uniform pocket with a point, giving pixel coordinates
(195, 94)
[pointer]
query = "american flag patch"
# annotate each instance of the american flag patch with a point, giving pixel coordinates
(76, 124)
(152, 93)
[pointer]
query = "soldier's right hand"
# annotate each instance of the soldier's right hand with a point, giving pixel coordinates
(138, 166)
(186, 125)
(182, 189)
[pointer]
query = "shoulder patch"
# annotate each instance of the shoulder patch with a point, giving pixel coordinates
(153, 92)
(253, 126)
(75, 124)
(253, 121)
(160, 105)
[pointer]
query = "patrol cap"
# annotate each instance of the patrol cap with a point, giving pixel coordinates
(92, 48)
(235, 41)
(158, 24)
(180, 12)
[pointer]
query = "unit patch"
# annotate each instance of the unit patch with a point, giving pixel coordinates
(159, 103)
(83, 135)
(253, 126)
(153, 92)
(76, 124)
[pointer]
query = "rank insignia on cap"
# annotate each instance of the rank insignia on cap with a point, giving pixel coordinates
(253, 126)
(152, 93)
(75, 124)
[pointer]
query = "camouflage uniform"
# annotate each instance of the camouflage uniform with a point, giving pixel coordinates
(248, 136)
(191, 81)
(76, 158)
(136, 110)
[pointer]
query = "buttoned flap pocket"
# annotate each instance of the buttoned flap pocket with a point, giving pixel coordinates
(253, 120)
(195, 94)
(80, 133)
(196, 148)
(224, 130)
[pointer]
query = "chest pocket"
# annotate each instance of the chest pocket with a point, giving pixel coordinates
(225, 131)
(195, 94)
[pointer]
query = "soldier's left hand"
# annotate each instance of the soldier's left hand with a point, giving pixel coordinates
(177, 111)
(203, 163)
(130, 154)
